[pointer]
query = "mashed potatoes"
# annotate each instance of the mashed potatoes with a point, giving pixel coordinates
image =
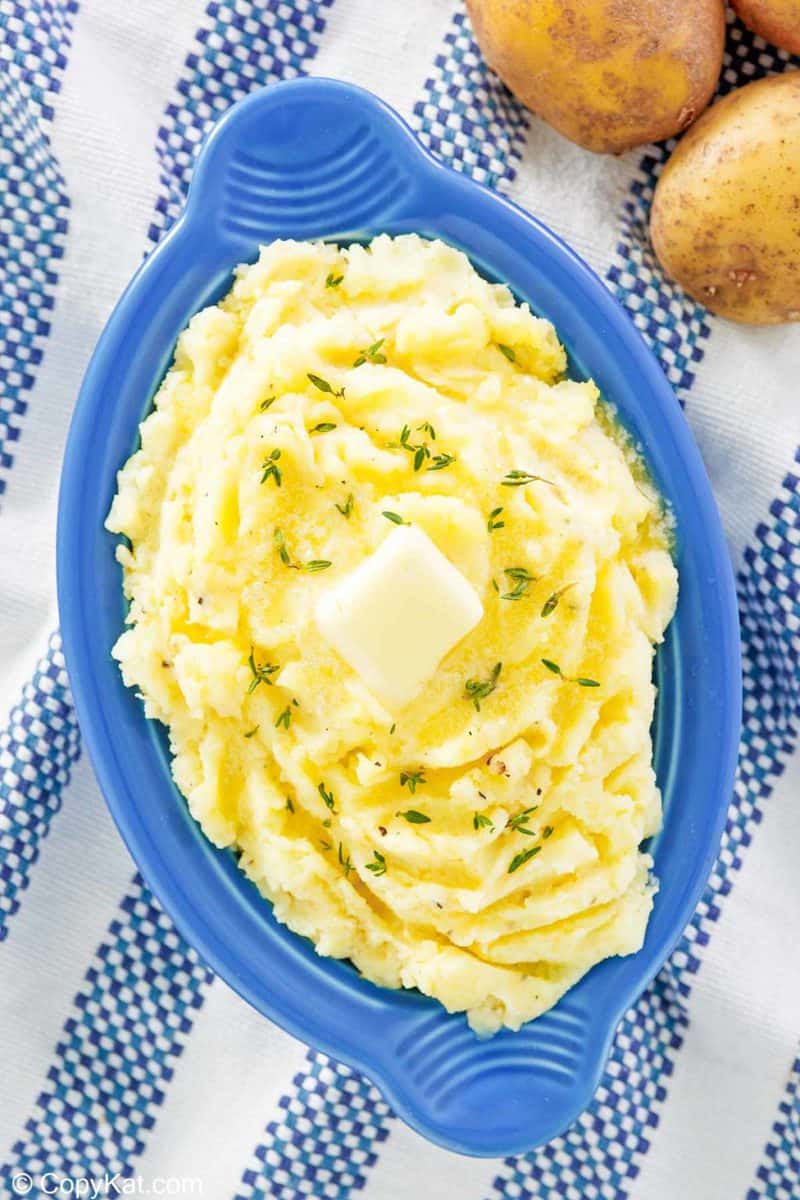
(481, 843)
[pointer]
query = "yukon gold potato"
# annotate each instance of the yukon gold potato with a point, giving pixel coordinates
(394, 587)
(725, 220)
(777, 21)
(608, 74)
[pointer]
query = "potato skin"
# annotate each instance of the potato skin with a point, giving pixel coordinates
(608, 74)
(777, 21)
(725, 221)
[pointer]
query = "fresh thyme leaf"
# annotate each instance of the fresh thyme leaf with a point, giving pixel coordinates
(323, 385)
(327, 796)
(507, 352)
(395, 518)
(260, 674)
(289, 804)
(412, 779)
(333, 281)
(317, 564)
(422, 451)
(326, 824)
(551, 603)
(520, 859)
(522, 581)
(478, 689)
(325, 845)
(271, 469)
(265, 404)
(517, 822)
(285, 719)
(579, 679)
(378, 864)
(520, 478)
(413, 817)
(371, 354)
(546, 832)
(324, 427)
(481, 821)
(346, 508)
(394, 726)
(346, 864)
(280, 542)
(492, 523)
(496, 585)
(252, 732)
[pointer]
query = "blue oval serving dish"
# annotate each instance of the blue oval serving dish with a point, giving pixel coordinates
(315, 158)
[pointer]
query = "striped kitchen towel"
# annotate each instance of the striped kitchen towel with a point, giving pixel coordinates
(121, 1056)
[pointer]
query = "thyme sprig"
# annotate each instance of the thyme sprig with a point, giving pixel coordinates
(378, 864)
(524, 856)
(344, 862)
(414, 817)
(581, 680)
(421, 451)
(518, 823)
(327, 796)
(522, 580)
(492, 523)
(323, 386)
(521, 478)
(478, 689)
(372, 354)
(551, 603)
(260, 672)
(313, 565)
(412, 779)
(270, 468)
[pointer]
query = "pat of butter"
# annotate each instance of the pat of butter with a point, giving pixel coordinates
(398, 614)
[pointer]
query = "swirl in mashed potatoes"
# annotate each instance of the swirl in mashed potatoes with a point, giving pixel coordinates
(482, 842)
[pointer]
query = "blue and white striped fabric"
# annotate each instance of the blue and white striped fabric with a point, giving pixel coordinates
(120, 1054)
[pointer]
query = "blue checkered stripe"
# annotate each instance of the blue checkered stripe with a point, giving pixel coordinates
(467, 116)
(116, 1055)
(325, 1140)
(34, 41)
(243, 46)
(676, 327)
(38, 748)
(778, 1175)
(601, 1154)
